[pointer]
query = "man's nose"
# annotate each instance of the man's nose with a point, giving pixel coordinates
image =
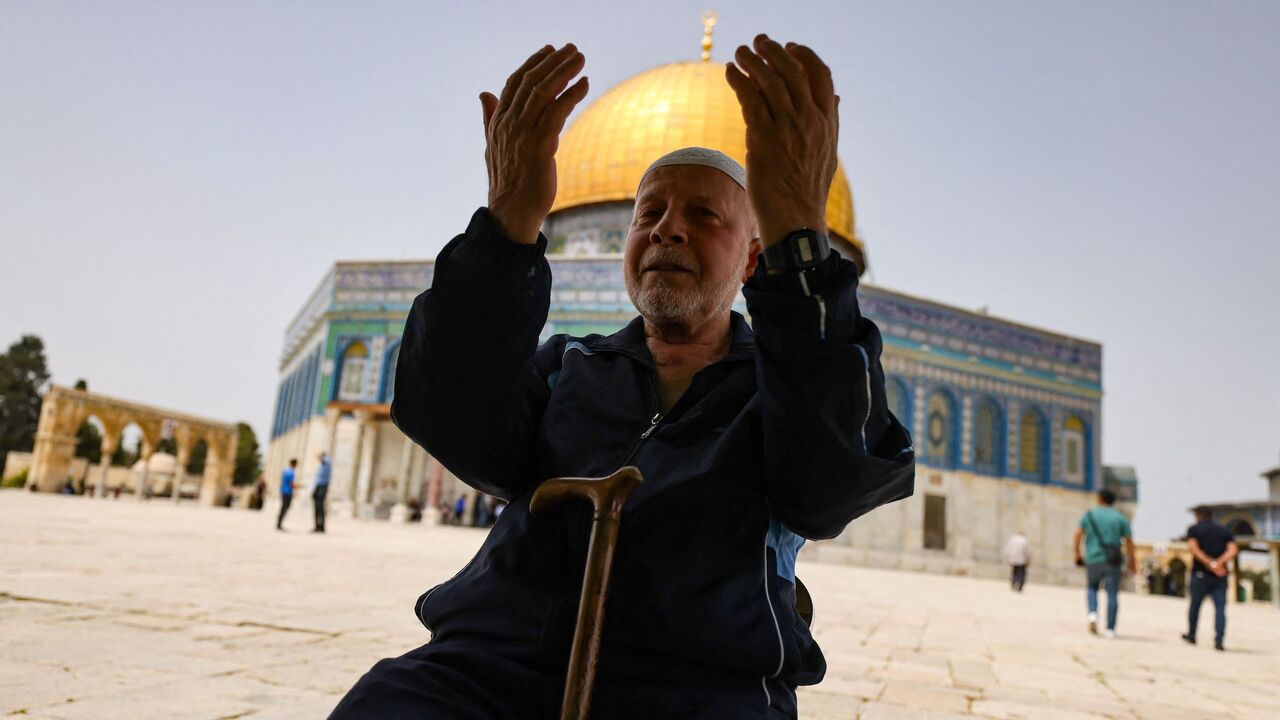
(668, 231)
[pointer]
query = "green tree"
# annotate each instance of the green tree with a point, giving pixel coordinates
(195, 463)
(123, 456)
(23, 376)
(89, 442)
(82, 384)
(248, 456)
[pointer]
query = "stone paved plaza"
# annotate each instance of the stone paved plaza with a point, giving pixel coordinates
(115, 609)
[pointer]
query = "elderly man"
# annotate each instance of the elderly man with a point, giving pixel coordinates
(749, 441)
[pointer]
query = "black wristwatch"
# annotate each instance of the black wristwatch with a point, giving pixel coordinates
(799, 250)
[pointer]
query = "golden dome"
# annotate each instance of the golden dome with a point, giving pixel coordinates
(608, 147)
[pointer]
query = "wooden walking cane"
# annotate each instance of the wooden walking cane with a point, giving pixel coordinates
(607, 496)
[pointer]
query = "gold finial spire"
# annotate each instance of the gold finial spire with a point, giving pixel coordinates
(708, 21)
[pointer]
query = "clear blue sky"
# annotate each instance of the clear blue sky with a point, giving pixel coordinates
(175, 178)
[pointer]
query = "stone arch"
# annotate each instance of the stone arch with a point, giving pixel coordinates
(64, 409)
(1240, 525)
(898, 397)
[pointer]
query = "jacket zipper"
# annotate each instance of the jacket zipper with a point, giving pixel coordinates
(653, 425)
(657, 418)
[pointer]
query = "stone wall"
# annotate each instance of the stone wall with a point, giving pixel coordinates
(981, 514)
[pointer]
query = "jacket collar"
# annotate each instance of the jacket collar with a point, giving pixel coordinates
(630, 341)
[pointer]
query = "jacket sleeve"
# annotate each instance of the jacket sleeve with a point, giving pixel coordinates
(468, 389)
(832, 450)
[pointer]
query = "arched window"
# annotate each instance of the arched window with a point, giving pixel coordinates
(1241, 528)
(351, 376)
(939, 430)
(895, 393)
(988, 438)
(1033, 444)
(1073, 456)
(389, 373)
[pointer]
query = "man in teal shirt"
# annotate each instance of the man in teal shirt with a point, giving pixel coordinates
(1103, 528)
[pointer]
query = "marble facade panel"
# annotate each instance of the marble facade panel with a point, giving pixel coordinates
(982, 513)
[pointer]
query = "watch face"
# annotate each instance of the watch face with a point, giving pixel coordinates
(805, 246)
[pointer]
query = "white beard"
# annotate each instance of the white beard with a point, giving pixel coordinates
(663, 302)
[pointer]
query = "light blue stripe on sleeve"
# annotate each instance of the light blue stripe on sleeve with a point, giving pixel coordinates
(786, 545)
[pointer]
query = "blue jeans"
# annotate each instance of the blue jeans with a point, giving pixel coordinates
(1204, 583)
(1109, 576)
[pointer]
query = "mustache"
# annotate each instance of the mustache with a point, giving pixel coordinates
(661, 255)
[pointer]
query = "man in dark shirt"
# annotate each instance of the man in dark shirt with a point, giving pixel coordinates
(751, 439)
(1213, 547)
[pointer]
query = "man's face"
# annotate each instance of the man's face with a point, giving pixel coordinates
(691, 244)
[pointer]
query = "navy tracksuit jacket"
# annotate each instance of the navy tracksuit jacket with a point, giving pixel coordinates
(788, 437)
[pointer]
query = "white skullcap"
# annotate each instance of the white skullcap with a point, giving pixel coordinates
(704, 157)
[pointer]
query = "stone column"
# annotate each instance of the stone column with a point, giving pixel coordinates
(435, 480)
(366, 468)
(143, 489)
(400, 512)
(51, 461)
(107, 447)
(214, 479)
(180, 471)
(353, 482)
(418, 479)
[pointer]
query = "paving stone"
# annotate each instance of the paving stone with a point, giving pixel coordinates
(927, 697)
(888, 711)
(140, 610)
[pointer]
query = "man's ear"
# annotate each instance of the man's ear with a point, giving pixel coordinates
(754, 248)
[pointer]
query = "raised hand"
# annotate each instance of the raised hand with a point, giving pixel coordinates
(522, 131)
(791, 110)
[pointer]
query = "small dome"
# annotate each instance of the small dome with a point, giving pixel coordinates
(161, 463)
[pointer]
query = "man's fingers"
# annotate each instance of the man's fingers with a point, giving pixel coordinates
(539, 72)
(754, 111)
(819, 76)
(788, 69)
(488, 105)
(513, 81)
(560, 109)
(546, 91)
(772, 87)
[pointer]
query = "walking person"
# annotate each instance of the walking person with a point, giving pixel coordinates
(1017, 552)
(1103, 528)
(459, 510)
(1214, 547)
(286, 491)
(321, 490)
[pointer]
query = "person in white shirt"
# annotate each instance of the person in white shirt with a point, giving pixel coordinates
(1017, 552)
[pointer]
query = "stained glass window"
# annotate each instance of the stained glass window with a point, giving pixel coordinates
(986, 437)
(938, 429)
(352, 374)
(1031, 460)
(1073, 450)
